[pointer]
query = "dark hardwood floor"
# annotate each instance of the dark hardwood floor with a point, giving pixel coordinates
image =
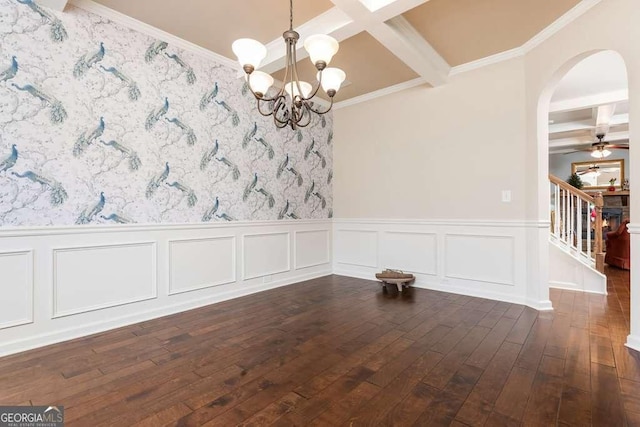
(339, 351)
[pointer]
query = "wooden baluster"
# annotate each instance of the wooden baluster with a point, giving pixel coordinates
(556, 230)
(579, 228)
(599, 255)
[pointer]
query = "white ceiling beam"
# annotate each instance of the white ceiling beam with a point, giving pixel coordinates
(58, 5)
(589, 101)
(588, 124)
(350, 17)
(399, 37)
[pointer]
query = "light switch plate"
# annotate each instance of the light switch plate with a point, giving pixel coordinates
(506, 196)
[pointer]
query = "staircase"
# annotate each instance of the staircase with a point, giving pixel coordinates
(576, 255)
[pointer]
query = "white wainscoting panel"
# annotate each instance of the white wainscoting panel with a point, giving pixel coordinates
(357, 247)
(60, 283)
(312, 248)
(480, 258)
(16, 288)
(414, 252)
(93, 278)
(201, 263)
(265, 254)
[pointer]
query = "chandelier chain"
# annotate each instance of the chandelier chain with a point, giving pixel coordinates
(291, 15)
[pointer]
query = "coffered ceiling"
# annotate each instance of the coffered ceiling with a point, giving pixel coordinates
(591, 99)
(382, 42)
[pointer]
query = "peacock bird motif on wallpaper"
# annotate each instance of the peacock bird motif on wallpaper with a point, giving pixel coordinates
(282, 166)
(118, 219)
(156, 115)
(186, 130)
(267, 146)
(249, 135)
(323, 121)
(330, 137)
(323, 160)
(283, 212)
(155, 182)
(155, 49)
(134, 160)
(58, 32)
(225, 217)
(133, 91)
(58, 193)
(323, 200)
(88, 60)
(207, 98)
(309, 191)
(9, 161)
(108, 108)
(235, 119)
(297, 174)
(11, 71)
(209, 213)
(88, 138)
(270, 200)
(309, 149)
(192, 199)
(191, 76)
(250, 186)
(235, 171)
(209, 155)
(87, 215)
(330, 213)
(57, 113)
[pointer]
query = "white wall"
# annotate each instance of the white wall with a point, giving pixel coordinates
(444, 153)
(423, 153)
(59, 283)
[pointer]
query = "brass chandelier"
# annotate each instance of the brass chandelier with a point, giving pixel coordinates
(293, 104)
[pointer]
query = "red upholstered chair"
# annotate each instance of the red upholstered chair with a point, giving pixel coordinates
(619, 247)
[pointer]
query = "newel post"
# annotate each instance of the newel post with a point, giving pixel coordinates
(599, 254)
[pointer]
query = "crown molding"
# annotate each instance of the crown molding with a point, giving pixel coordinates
(560, 23)
(134, 24)
(151, 31)
(378, 93)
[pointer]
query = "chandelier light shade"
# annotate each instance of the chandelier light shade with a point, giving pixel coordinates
(293, 103)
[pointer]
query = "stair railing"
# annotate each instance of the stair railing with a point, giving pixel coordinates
(576, 221)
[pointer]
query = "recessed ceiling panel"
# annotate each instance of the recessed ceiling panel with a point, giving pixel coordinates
(216, 24)
(466, 30)
(368, 64)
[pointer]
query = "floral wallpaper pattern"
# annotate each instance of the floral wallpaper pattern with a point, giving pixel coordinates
(101, 124)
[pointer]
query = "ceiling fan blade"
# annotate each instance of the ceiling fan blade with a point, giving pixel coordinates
(618, 147)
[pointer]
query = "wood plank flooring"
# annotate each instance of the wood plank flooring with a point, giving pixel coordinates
(340, 351)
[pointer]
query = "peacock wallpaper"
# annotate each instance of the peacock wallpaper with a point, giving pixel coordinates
(100, 124)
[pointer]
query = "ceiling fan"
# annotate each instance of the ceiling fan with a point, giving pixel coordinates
(591, 169)
(600, 149)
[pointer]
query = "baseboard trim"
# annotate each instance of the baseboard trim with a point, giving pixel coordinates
(633, 342)
(55, 337)
(572, 287)
(433, 286)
